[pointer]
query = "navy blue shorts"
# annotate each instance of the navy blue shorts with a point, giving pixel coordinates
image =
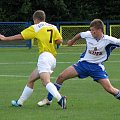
(85, 69)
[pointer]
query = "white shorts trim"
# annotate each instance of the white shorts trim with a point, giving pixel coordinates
(46, 62)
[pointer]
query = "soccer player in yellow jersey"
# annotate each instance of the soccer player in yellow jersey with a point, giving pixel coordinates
(47, 36)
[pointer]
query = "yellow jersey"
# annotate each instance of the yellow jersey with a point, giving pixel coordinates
(46, 35)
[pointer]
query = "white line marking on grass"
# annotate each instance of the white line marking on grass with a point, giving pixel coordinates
(115, 54)
(64, 62)
(19, 76)
(112, 61)
(17, 63)
(23, 63)
(69, 53)
(79, 53)
(23, 76)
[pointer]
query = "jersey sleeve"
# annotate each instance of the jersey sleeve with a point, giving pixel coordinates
(28, 33)
(113, 40)
(58, 36)
(85, 34)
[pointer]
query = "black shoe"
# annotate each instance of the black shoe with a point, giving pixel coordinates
(62, 102)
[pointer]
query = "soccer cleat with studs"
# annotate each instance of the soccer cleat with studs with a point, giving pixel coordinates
(15, 103)
(44, 102)
(62, 102)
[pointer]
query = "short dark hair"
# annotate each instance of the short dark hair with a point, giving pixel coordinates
(98, 24)
(40, 15)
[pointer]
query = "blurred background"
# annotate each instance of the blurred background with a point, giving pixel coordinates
(60, 10)
(70, 17)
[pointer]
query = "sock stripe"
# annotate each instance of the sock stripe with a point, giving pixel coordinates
(118, 95)
(56, 84)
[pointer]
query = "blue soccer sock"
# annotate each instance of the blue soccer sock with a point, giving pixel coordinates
(118, 95)
(49, 96)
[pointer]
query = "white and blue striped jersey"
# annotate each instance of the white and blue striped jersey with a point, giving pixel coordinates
(98, 51)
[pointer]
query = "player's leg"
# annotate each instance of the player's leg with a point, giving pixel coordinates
(68, 73)
(45, 78)
(46, 65)
(99, 74)
(28, 90)
(109, 88)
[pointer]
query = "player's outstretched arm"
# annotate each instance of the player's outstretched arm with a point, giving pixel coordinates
(73, 40)
(14, 37)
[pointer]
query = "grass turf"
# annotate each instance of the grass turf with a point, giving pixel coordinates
(86, 99)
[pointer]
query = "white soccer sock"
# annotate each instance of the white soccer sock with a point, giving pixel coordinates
(53, 90)
(25, 95)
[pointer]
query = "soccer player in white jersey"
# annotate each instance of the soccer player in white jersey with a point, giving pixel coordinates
(98, 48)
(47, 36)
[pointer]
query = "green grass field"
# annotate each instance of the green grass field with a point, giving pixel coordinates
(86, 99)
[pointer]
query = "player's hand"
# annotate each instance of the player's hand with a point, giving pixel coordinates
(70, 42)
(2, 37)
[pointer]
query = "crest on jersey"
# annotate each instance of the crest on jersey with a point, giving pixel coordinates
(95, 49)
